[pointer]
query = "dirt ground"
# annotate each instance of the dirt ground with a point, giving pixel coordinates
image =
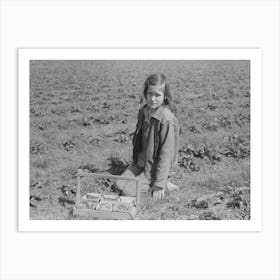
(83, 112)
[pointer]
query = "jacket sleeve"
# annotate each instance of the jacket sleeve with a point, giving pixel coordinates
(165, 154)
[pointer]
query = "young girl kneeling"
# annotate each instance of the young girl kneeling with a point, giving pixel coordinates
(155, 142)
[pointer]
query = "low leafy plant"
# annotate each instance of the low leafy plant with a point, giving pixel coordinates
(41, 162)
(68, 144)
(38, 148)
(236, 146)
(187, 161)
(206, 152)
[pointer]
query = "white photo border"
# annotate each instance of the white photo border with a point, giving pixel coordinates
(255, 57)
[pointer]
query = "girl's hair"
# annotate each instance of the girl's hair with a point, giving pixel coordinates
(158, 80)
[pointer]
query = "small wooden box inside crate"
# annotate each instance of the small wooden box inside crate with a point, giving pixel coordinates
(106, 206)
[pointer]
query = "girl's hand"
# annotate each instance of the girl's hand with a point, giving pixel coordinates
(158, 194)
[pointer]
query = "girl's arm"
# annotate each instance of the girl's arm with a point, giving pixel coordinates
(166, 151)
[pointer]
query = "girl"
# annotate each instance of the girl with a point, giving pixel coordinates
(155, 142)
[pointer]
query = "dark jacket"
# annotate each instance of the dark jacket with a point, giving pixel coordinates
(162, 145)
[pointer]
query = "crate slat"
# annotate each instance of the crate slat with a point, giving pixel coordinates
(106, 215)
(106, 176)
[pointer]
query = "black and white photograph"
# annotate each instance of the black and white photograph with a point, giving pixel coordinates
(164, 139)
(181, 127)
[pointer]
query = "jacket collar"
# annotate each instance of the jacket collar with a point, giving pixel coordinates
(158, 114)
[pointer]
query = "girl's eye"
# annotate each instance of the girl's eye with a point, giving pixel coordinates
(154, 94)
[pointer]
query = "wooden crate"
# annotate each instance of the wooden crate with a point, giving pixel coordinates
(81, 210)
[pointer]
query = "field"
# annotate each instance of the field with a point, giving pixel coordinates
(82, 114)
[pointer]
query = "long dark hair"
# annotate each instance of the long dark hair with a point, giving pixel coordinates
(158, 79)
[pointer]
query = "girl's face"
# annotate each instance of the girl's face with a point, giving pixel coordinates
(155, 97)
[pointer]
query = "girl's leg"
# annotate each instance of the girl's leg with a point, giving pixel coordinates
(129, 187)
(171, 187)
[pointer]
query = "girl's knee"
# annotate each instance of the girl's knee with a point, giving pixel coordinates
(134, 169)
